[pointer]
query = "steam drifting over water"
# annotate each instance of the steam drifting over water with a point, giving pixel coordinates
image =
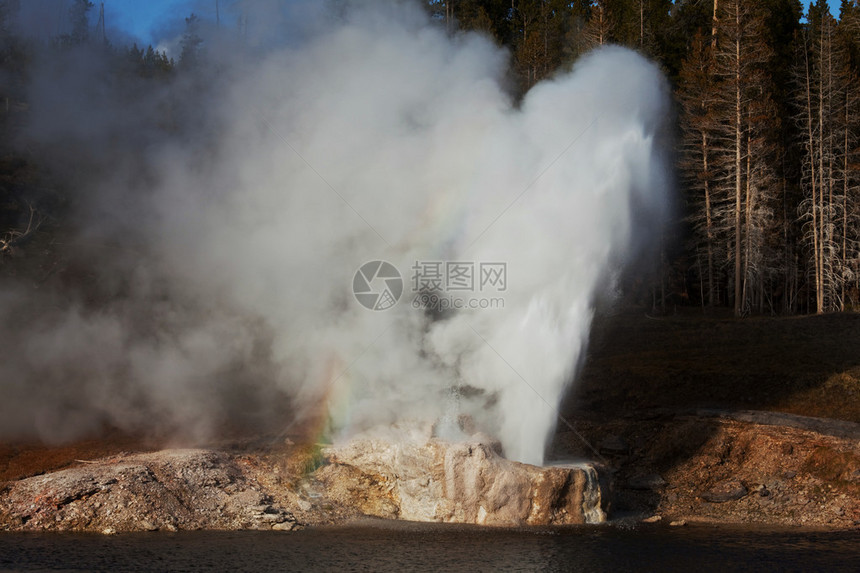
(235, 239)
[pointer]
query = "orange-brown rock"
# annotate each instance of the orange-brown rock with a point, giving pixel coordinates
(423, 479)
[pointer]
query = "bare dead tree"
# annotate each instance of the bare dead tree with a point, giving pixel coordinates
(598, 29)
(826, 99)
(743, 181)
(699, 125)
(13, 237)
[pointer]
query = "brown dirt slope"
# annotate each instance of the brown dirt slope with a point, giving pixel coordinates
(721, 419)
(806, 365)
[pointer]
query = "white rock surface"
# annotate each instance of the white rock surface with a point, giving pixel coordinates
(414, 476)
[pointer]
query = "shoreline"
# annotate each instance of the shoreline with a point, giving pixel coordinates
(786, 478)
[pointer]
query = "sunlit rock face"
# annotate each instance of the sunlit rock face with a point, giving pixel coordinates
(412, 475)
(404, 474)
(168, 490)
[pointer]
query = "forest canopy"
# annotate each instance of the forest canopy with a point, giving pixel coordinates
(768, 126)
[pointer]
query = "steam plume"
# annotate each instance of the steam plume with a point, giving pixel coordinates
(234, 234)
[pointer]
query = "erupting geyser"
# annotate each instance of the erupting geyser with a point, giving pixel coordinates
(377, 138)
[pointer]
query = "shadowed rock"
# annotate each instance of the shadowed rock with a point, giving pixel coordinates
(728, 490)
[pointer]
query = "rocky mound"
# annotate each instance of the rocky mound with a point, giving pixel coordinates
(730, 467)
(420, 478)
(423, 480)
(169, 490)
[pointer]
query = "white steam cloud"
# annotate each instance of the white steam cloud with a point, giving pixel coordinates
(374, 137)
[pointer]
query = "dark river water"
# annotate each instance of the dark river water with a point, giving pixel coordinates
(430, 547)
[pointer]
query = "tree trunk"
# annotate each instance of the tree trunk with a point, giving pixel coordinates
(813, 184)
(714, 25)
(737, 168)
(846, 150)
(745, 291)
(709, 225)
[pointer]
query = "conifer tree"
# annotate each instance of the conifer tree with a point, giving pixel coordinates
(825, 94)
